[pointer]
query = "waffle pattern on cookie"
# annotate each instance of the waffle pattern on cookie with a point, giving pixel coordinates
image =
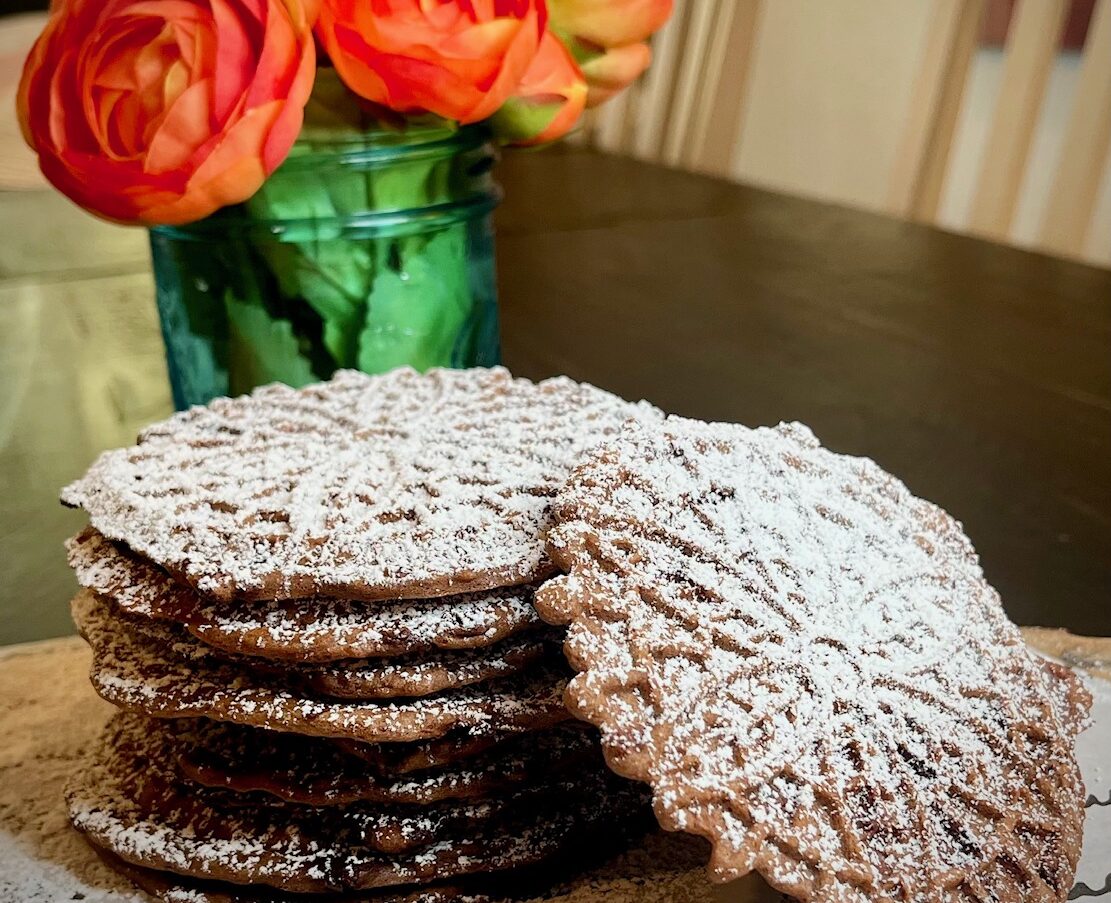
(375, 487)
(806, 664)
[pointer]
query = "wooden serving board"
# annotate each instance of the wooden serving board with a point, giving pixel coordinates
(49, 717)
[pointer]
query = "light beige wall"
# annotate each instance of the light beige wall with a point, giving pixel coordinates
(18, 166)
(829, 93)
(968, 150)
(830, 85)
(1098, 246)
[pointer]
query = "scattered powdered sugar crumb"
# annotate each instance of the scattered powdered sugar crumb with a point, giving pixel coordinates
(371, 486)
(806, 663)
(26, 878)
(49, 720)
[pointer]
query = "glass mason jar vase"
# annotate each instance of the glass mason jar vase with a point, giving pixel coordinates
(370, 250)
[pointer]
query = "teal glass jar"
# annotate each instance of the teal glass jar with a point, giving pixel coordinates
(370, 250)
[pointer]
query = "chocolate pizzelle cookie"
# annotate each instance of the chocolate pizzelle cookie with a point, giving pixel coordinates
(807, 665)
(421, 675)
(320, 772)
(363, 487)
(170, 888)
(160, 677)
(301, 630)
(315, 608)
(130, 803)
(414, 675)
(440, 752)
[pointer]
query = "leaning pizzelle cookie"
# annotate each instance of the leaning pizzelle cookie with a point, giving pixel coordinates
(806, 664)
(128, 802)
(137, 673)
(375, 487)
(308, 630)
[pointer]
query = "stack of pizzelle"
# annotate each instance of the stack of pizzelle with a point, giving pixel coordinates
(326, 599)
(314, 610)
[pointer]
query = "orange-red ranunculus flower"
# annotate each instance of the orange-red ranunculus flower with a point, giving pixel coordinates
(459, 59)
(612, 71)
(548, 101)
(609, 23)
(162, 111)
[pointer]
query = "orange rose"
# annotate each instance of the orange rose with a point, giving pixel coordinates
(612, 71)
(608, 23)
(549, 100)
(162, 111)
(459, 59)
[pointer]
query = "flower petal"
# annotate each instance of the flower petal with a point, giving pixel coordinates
(165, 110)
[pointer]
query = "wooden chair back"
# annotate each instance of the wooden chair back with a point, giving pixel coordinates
(689, 111)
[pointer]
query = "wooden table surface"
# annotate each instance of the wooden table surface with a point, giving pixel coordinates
(979, 374)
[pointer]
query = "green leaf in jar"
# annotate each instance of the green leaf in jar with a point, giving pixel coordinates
(262, 349)
(419, 304)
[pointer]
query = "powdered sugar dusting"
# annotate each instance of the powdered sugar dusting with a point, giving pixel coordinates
(317, 629)
(807, 665)
(135, 672)
(400, 485)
